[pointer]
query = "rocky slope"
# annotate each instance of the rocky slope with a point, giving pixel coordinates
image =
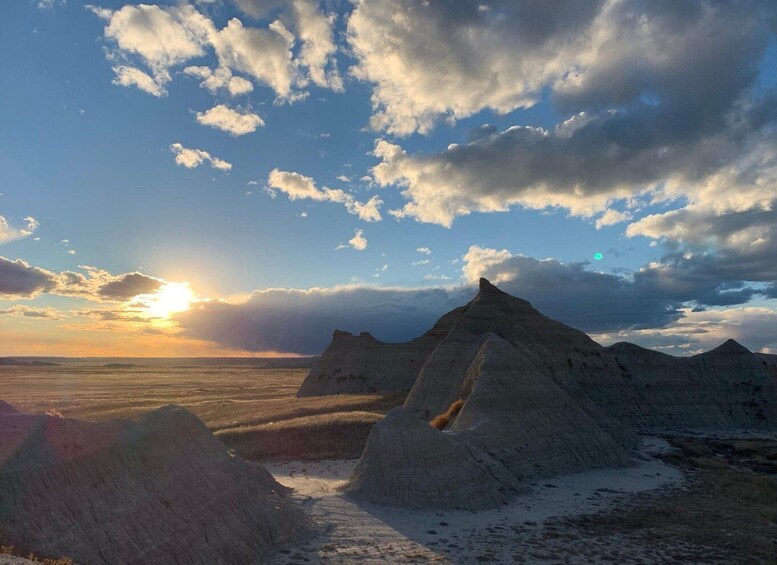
(727, 388)
(362, 364)
(540, 398)
(162, 490)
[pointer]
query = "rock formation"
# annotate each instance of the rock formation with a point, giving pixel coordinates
(362, 364)
(727, 388)
(539, 398)
(162, 490)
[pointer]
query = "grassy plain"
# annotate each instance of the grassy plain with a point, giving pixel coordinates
(253, 410)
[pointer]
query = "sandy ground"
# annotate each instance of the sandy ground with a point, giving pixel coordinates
(526, 530)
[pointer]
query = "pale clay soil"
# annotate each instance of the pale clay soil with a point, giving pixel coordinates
(530, 529)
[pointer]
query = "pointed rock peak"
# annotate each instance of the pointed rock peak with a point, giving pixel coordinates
(489, 292)
(341, 333)
(486, 286)
(731, 346)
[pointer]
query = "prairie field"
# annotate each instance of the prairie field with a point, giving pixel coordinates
(252, 409)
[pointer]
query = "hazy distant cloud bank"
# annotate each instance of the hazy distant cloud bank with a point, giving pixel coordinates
(650, 307)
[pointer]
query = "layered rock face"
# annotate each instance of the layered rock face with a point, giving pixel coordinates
(727, 388)
(362, 364)
(162, 490)
(541, 398)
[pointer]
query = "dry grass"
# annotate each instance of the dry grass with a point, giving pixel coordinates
(441, 421)
(729, 514)
(253, 410)
(321, 436)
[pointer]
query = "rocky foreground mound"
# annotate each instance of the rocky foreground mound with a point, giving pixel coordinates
(515, 395)
(162, 490)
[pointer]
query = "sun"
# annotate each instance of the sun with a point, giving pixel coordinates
(171, 298)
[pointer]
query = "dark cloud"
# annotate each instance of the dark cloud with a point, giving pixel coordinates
(657, 93)
(129, 285)
(20, 279)
(303, 321)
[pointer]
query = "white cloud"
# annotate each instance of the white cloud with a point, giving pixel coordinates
(318, 45)
(159, 37)
(231, 121)
(264, 54)
(430, 59)
(702, 330)
(162, 37)
(482, 261)
(424, 250)
(130, 76)
(358, 241)
(49, 4)
(220, 79)
(10, 233)
(191, 158)
(421, 262)
(611, 217)
(297, 186)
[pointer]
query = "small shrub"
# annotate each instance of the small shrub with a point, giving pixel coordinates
(441, 421)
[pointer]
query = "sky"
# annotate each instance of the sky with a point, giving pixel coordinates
(241, 177)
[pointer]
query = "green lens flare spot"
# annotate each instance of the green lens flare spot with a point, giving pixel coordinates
(598, 256)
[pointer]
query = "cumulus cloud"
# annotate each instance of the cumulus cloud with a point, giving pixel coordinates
(662, 104)
(30, 312)
(428, 59)
(160, 37)
(318, 46)
(433, 59)
(231, 121)
(131, 76)
(313, 27)
(221, 79)
(357, 242)
(163, 37)
(10, 233)
(424, 250)
(300, 187)
(192, 158)
(264, 54)
(129, 285)
(611, 217)
(19, 279)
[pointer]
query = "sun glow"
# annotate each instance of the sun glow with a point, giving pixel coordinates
(171, 298)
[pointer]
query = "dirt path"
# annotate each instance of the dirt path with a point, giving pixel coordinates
(365, 533)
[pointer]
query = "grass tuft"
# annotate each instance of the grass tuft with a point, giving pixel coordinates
(441, 421)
